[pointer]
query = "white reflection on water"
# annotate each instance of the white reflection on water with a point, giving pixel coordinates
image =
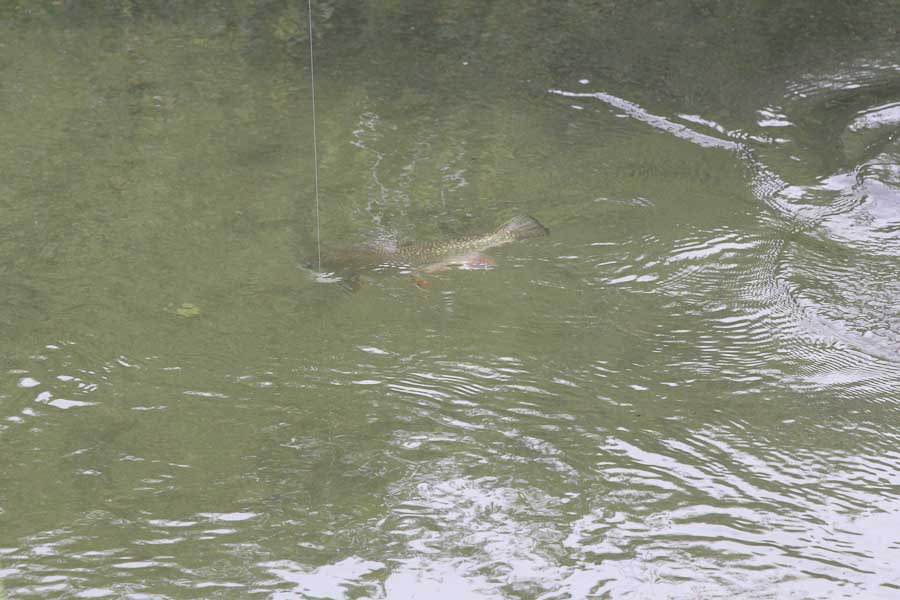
(860, 209)
(633, 110)
(478, 537)
(510, 476)
(336, 581)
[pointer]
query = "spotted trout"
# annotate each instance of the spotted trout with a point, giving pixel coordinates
(432, 257)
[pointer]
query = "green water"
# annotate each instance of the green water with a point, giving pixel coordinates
(690, 389)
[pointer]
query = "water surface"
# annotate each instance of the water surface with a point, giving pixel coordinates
(689, 390)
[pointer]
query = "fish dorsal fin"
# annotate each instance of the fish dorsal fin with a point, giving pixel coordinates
(523, 227)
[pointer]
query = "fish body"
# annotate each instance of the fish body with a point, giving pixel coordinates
(431, 257)
(463, 252)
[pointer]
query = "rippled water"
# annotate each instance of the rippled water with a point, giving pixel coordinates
(690, 389)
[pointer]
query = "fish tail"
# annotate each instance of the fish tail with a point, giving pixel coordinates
(523, 227)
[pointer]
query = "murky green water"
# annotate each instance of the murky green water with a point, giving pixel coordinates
(691, 389)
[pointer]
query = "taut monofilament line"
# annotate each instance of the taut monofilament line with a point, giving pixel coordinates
(312, 80)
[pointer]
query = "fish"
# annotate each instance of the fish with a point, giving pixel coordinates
(430, 257)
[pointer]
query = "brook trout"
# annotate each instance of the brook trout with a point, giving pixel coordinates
(437, 256)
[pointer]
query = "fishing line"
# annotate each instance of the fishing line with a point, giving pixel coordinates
(312, 80)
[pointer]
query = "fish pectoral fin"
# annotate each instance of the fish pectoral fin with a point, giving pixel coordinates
(473, 260)
(477, 260)
(421, 283)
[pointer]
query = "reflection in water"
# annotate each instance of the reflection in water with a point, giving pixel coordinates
(859, 209)
(476, 476)
(472, 475)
